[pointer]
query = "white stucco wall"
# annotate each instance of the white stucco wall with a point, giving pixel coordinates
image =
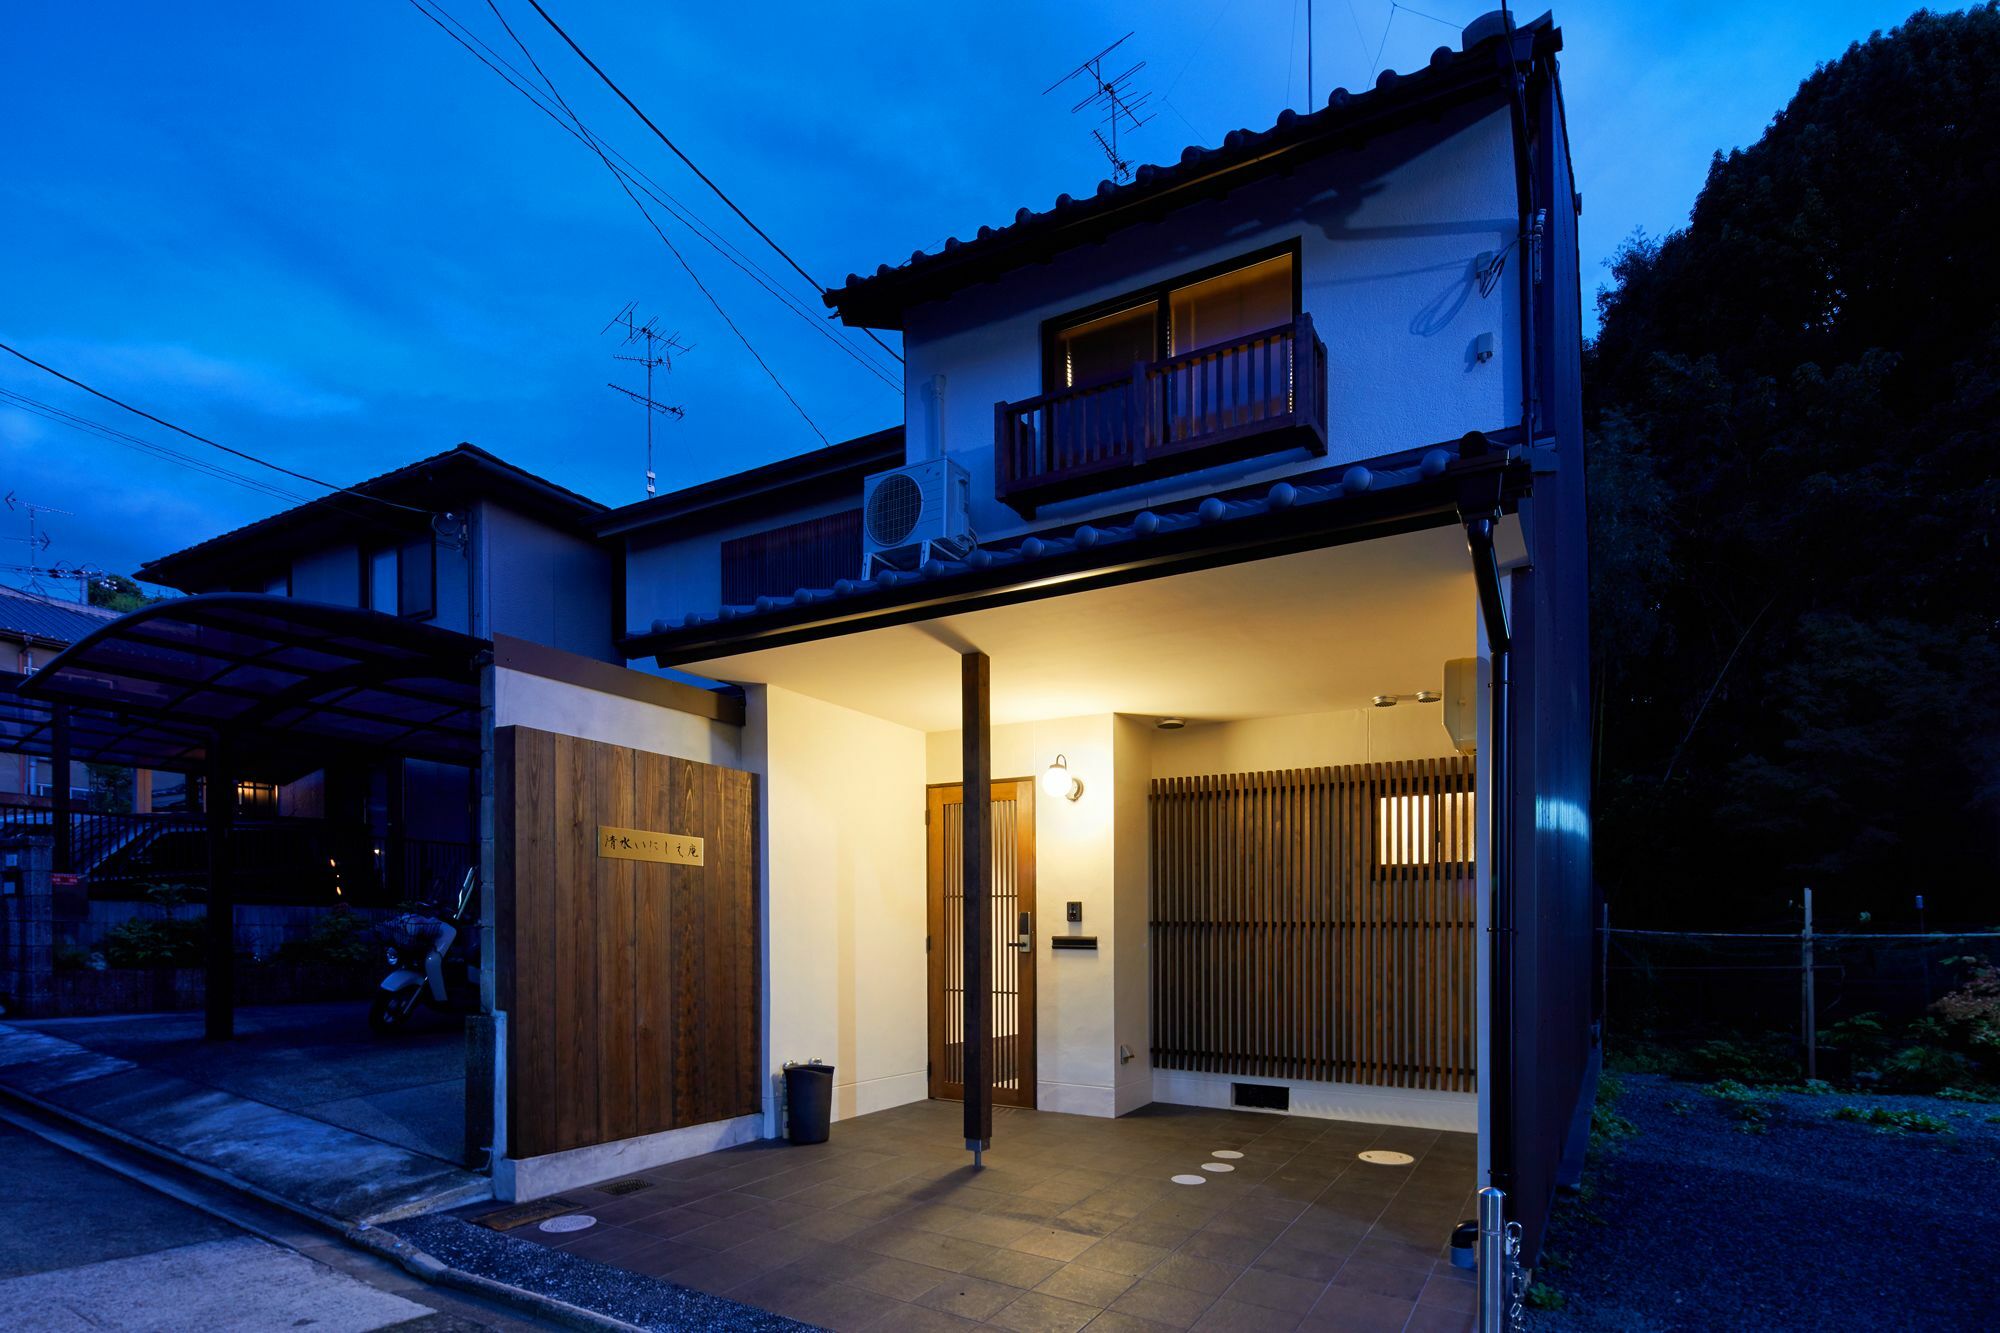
(843, 872)
(1077, 1032)
(1305, 740)
(570, 710)
(1389, 239)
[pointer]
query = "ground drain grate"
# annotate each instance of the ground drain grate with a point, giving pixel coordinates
(625, 1187)
(506, 1219)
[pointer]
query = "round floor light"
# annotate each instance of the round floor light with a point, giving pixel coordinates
(1383, 1157)
(1190, 1180)
(569, 1222)
(1217, 1167)
(1226, 1154)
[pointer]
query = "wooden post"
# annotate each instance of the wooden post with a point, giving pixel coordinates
(976, 684)
(219, 988)
(59, 811)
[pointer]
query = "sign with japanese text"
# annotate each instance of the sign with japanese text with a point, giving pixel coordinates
(631, 844)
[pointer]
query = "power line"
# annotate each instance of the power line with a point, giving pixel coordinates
(673, 250)
(22, 402)
(203, 439)
(630, 172)
(689, 162)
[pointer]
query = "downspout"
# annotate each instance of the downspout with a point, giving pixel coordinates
(1502, 1075)
(1529, 235)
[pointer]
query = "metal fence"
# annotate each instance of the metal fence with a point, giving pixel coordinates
(276, 860)
(1679, 988)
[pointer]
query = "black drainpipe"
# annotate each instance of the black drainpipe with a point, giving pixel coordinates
(1501, 1075)
(1529, 234)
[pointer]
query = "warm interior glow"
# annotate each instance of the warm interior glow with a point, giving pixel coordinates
(1231, 305)
(1424, 830)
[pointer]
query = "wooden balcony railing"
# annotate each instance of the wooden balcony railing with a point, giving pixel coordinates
(1255, 395)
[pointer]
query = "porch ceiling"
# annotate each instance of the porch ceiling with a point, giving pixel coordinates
(1319, 630)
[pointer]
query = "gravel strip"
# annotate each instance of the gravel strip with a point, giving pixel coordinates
(647, 1302)
(1813, 1223)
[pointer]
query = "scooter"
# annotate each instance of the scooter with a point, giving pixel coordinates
(434, 960)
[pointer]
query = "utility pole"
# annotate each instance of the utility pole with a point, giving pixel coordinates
(659, 351)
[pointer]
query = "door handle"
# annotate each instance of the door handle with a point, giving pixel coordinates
(1026, 943)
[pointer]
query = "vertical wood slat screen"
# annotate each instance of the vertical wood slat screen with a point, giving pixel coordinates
(1316, 924)
(812, 553)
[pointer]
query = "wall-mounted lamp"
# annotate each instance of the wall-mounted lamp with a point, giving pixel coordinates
(1057, 780)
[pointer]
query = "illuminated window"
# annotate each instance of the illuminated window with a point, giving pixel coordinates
(1430, 829)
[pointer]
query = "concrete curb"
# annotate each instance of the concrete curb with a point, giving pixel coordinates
(422, 1264)
(365, 1236)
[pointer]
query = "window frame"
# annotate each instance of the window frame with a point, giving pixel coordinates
(1160, 295)
(398, 551)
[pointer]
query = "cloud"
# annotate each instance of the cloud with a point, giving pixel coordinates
(245, 385)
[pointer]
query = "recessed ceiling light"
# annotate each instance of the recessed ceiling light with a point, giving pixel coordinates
(1171, 723)
(1385, 701)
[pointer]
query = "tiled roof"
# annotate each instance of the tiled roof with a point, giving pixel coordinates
(27, 615)
(878, 300)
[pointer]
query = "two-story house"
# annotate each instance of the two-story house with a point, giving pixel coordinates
(1187, 704)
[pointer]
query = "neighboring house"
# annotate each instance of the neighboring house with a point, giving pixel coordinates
(461, 540)
(34, 628)
(1188, 703)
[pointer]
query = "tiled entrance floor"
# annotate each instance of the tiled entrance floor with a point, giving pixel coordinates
(1074, 1222)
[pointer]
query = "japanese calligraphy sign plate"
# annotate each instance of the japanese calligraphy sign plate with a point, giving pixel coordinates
(631, 844)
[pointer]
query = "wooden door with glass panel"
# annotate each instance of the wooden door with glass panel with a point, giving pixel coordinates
(1011, 935)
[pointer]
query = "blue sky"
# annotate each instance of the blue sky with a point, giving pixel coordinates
(320, 231)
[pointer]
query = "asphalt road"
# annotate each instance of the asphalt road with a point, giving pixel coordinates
(85, 1247)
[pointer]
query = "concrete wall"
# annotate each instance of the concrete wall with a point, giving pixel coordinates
(1390, 237)
(843, 864)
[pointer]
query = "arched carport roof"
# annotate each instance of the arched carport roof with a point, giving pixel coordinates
(282, 681)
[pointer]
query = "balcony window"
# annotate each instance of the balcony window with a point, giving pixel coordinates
(1108, 345)
(1215, 366)
(1231, 305)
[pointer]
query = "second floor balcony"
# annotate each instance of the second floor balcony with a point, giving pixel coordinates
(1257, 394)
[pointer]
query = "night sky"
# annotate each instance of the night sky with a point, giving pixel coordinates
(323, 233)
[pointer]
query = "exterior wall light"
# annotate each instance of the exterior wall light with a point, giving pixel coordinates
(1057, 780)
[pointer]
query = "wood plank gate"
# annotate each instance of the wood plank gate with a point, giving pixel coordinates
(631, 985)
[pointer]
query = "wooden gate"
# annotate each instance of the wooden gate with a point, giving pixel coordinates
(630, 984)
(1316, 924)
(1013, 1006)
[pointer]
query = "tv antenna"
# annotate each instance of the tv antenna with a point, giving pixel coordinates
(37, 541)
(659, 350)
(1115, 96)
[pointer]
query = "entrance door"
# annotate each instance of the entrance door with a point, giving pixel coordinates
(1013, 967)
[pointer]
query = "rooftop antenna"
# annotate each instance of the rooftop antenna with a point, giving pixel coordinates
(1114, 94)
(659, 351)
(37, 541)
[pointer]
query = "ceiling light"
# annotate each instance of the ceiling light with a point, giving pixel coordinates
(1429, 697)
(1171, 723)
(1385, 701)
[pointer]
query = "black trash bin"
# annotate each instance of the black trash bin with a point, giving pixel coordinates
(808, 1101)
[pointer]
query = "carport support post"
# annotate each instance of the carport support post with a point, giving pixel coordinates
(219, 989)
(977, 780)
(59, 820)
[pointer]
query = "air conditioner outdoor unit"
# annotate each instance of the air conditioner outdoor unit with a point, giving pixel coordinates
(911, 514)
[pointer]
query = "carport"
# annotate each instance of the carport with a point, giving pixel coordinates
(226, 685)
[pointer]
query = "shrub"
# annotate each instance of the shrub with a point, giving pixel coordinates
(1970, 1015)
(167, 942)
(1744, 1062)
(1541, 1296)
(1863, 1036)
(1923, 1068)
(1893, 1122)
(1751, 1107)
(339, 938)
(1968, 1095)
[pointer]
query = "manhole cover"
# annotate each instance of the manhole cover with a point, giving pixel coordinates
(1217, 1166)
(1190, 1180)
(1382, 1157)
(625, 1187)
(571, 1222)
(1226, 1154)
